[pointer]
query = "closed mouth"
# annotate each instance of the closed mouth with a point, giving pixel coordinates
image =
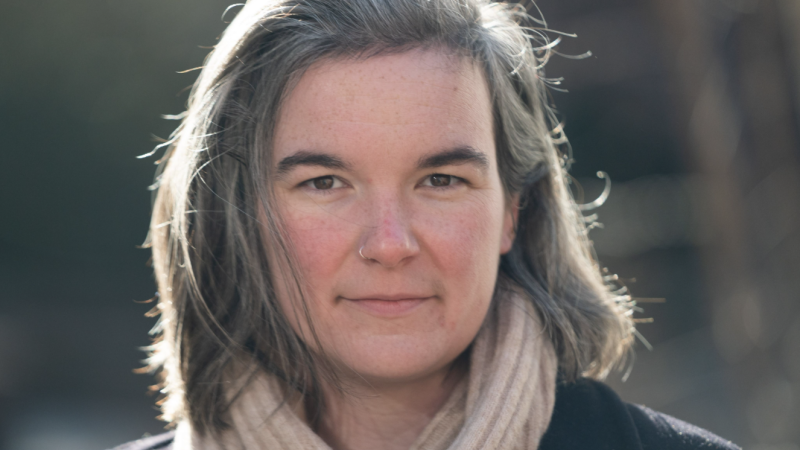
(387, 306)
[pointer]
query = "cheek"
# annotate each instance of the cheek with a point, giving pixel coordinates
(321, 241)
(464, 242)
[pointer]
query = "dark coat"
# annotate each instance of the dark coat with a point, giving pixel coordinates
(587, 415)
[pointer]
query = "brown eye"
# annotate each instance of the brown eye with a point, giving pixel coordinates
(439, 180)
(323, 183)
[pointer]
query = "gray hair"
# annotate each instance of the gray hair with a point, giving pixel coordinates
(212, 255)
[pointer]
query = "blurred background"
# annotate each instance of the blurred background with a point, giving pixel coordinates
(691, 106)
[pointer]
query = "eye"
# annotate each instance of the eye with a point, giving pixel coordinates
(325, 183)
(440, 180)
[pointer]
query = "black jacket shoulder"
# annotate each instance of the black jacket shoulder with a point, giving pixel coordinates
(587, 415)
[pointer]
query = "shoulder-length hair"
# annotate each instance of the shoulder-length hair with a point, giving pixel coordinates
(213, 229)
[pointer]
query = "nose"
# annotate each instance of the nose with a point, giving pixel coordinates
(390, 241)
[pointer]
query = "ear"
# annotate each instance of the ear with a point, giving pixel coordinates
(509, 225)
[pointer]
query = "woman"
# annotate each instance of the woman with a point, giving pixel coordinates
(363, 238)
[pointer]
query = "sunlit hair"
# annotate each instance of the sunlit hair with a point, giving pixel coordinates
(215, 236)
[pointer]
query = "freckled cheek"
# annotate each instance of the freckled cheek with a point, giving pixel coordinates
(464, 234)
(464, 243)
(321, 243)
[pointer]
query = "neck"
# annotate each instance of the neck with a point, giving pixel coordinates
(385, 415)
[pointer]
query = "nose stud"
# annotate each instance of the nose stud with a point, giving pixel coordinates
(362, 255)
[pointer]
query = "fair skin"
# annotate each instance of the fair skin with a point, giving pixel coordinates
(392, 155)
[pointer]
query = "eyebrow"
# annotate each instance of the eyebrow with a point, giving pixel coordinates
(307, 158)
(456, 156)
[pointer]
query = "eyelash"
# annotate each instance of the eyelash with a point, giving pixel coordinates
(310, 184)
(453, 180)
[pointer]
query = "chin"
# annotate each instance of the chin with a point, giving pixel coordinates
(394, 359)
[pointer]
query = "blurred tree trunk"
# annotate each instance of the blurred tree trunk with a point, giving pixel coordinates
(736, 104)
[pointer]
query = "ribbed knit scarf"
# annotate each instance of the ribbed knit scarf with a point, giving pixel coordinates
(505, 402)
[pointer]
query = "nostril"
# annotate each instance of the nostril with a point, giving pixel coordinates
(391, 239)
(389, 247)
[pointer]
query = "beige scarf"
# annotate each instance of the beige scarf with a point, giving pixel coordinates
(505, 403)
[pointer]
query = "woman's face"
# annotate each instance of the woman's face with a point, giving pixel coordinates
(392, 156)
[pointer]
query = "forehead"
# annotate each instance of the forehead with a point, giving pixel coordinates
(419, 99)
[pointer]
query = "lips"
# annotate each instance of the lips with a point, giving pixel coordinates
(387, 306)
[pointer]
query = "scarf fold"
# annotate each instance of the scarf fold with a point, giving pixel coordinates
(505, 402)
